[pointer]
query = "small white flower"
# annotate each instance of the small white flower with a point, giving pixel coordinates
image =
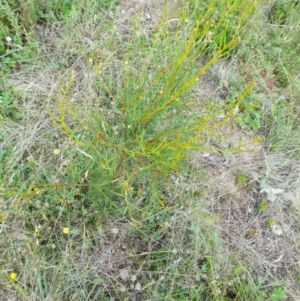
(138, 286)
(236, 110)
(115, 231)
(8, 39)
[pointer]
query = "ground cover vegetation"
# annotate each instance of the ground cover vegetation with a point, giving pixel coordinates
(149, 150)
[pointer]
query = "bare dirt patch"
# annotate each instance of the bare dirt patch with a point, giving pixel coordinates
(257, 223)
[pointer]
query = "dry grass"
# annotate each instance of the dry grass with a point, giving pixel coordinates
(220, 234)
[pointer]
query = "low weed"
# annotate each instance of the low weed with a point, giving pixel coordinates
(17, 44)
(8, 103)
(285, 27)
(108, 4)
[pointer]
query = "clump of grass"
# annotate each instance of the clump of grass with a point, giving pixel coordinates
(284, 29)
(144, 121)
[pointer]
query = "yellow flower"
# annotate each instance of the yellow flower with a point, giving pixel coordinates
(37, 190)
(13, 276)
(56, 151)
(66, 230)
(36, 230)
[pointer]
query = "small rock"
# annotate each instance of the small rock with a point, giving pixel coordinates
(124, 274)
(276, 230)
(272, 190)
(271, 193)
(133, 278)
(66, 162)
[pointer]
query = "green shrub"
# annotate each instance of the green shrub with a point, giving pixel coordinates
(146, 120)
